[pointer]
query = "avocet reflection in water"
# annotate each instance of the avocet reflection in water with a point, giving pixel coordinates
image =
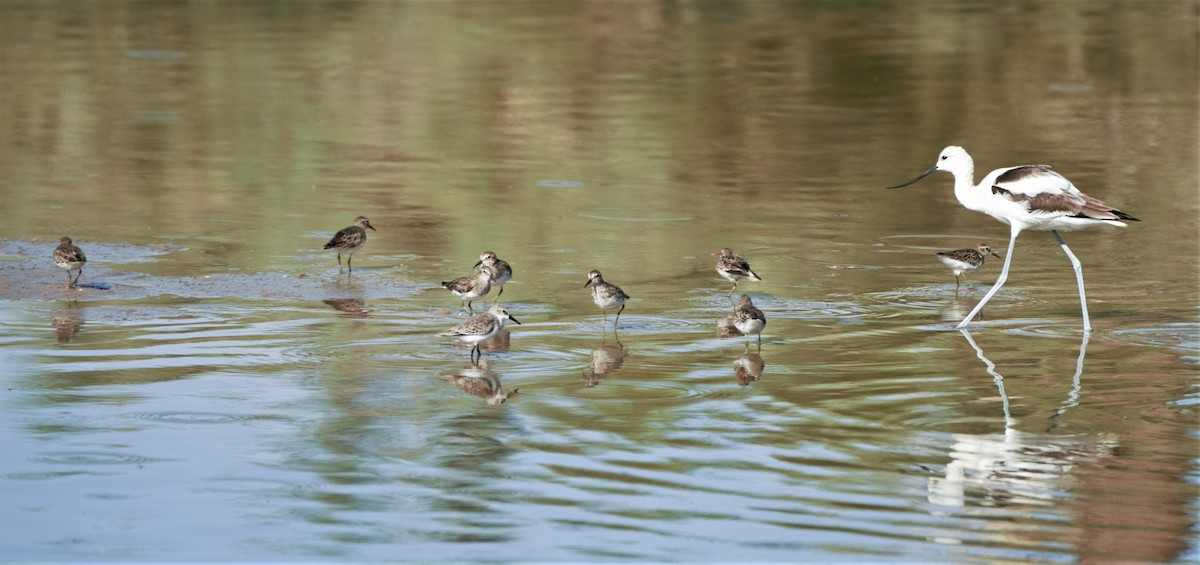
(1012, 468)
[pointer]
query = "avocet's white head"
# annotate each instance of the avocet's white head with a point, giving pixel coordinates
(953, 159)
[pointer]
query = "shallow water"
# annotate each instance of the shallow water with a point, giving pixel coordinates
(231, 396)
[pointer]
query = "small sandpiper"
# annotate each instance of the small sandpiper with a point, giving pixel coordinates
(480, 327)
(70, 257)
(963, 261)
(748, 319)
(349, 240)
(734, 268)
(606, 295)
(501, 270)
(470, 287)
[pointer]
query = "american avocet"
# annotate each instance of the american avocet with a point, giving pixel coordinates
(1028, 197)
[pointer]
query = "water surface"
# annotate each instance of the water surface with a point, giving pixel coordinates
(232, 396)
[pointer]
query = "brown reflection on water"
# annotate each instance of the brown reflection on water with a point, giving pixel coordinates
(607, 358)
(1152, 505)
(349, 307)
(68, 321)
(748, 367)
(478, 379)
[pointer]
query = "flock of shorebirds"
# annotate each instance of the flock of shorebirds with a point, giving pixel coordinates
(490, 269)
(1024, 197)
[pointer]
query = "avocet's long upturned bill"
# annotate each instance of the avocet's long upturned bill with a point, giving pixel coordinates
(1028, 197)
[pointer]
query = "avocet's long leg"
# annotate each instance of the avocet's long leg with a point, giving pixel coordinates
(1012, 244)
(1087, 322)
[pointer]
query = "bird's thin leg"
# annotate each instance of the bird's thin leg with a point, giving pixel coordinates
(1087, 322)
(605, 310)
(730, 293)
(69, 284)
(497, 297)
(760, 343)
(618, 318)
(77, 275)
(349, 263)
(1012, 243)
(339, 260)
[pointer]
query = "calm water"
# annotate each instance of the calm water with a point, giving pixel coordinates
(231, 396)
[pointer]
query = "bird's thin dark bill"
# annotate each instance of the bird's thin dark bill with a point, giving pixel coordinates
(923, 175)
(514, 319)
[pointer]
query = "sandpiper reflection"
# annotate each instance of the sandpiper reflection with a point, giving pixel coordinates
(349, 307)
(67, 322)
(747, 368)
(478, 379)
(725, 327)
(606, 359)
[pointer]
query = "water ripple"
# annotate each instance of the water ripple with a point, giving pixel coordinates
(90, 458)
(197, 417)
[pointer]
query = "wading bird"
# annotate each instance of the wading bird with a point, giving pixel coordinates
(1027, 197)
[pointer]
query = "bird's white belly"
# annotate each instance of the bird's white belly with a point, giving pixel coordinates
(751, 326)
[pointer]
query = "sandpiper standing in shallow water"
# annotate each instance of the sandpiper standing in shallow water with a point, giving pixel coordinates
(70, 257)
(480, 327)
(1026, 197)
(963, 261)
(606, 295)
(734, 268)
(749, 320)
(470, 287)
(349, 240)
(501, 270)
